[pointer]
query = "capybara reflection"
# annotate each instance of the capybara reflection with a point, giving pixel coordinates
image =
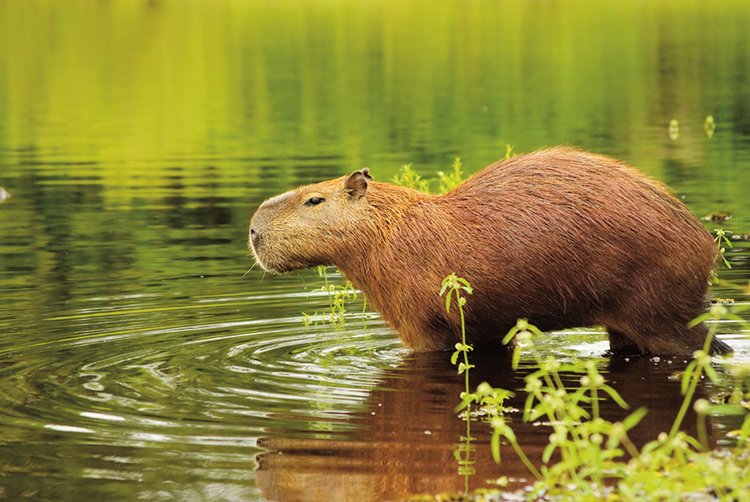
(562, 237)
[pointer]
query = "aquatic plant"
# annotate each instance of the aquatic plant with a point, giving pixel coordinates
(449, 181)
(722, 243)
(408, 177)
(709, 126)
(596, 458)
(338, 296)
(588, 445)
(592, 450)
(454, 287)
(674, 130)
(446, 181)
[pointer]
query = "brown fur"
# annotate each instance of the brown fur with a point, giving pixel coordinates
(562, 237)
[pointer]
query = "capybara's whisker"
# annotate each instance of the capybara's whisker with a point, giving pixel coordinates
(249, 270)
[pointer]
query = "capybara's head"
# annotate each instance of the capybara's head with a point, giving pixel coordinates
(311, 225)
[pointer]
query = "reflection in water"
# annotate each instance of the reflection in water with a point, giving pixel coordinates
(179, 395)
(407, 433)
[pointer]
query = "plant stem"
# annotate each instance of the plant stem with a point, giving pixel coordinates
(463, 340)
(702, 432)
(695, 378)
(533, 470)
(594, 402)
(468, 448)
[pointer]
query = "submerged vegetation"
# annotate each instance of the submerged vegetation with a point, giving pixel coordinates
(595, 458)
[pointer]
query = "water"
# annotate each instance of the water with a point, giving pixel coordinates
(138, 361)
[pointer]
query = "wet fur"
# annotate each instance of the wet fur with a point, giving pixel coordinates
(562, 237)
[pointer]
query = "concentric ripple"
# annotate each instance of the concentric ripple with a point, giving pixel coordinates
(200, 379)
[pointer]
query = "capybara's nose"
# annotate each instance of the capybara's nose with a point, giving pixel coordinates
(253, 235)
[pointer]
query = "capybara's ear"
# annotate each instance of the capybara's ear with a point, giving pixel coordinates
(356, 184)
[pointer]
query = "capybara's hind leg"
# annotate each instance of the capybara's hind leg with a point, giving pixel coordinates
(676, 338)
(655, 338)
(620, 344)
(696, 338)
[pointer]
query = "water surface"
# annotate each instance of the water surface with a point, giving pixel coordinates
(139, 359)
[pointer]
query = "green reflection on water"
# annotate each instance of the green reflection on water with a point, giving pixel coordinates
(137, 136)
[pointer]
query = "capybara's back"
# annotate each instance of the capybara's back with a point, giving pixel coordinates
(581, 239)
(562, 237)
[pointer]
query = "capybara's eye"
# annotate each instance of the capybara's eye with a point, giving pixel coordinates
(314, 201)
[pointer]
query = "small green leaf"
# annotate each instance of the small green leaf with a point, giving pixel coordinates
(548, 451)
(711, 373)
(693, 442)
(534, 329)
(444, 287)
(516, 358)
(508, 433)
(454, 357)
(507, 338)
(466, 401)
(527, 407)
(615, 396)
(634, 418)
(698, 320)
(495, 444)
(687, 375)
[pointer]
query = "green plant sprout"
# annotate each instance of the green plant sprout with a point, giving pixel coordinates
(674, 130)
(722, 243)
(449, 181)
(446, 181)
(454, 287)
(709, 126)
(338, 296)
(408, 177)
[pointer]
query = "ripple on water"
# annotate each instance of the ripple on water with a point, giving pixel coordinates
(123, 388)
(189, 385)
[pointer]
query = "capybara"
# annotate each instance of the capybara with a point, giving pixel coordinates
(561, 237)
